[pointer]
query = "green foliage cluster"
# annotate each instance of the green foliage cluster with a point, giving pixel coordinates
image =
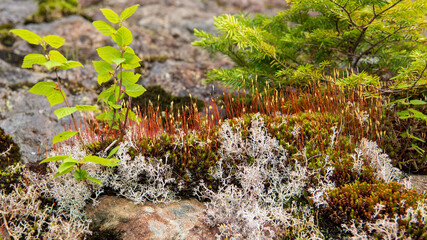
(357, 201)
(51, 10)
(9, 151)
(326, 37)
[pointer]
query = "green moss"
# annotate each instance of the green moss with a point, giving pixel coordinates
(51, 10)
(357, 201)
(9, 151)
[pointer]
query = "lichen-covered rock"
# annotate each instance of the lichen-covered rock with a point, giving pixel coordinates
(178, 220)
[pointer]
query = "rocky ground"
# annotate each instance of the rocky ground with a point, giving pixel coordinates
(163, 32)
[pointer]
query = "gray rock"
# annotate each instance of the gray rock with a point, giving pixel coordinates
(179, 220)
(16, 11)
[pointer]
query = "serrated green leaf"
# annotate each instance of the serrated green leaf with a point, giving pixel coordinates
(128, 12)
(102, 78)
(80, 174)
(94, 180)
(113, 151)
(130, 77)
(123, 37)
(111, 104)
(56, 97)
(86, 108)
(70, 64)
(56, 56)
(55, 158)
(65, 111)
(63, 136)
(28, 36)
(54, 41)
(104, 27)
(65, 171)
(135, 90)
(31, 59)
(110, 15)
(102, 67)
(132, 61)
(110, 55)
(103, 161)
(66, 165)
(43, 88)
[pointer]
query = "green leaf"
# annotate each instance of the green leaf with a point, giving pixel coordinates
(417, 102)
(130, 77)
(65, 166)
(65, 111)
(86, 108)
(70, 64)
(110, 55)
(110, 15)
(102, 67)
(135, 90)
(418, 149)
(31, 59)
(54, 41)
(132, 61)
(103, 161)
(49, 90)
(65, 171)
(123, 37)
(94, 180)
(43, 88)
(106, 93)
(103, 77)
(104, 27)
(63, 136)
(114, 151)
(107, 116)
(27, 36)
(56, 97)
(128, 12)
(80, 175)
(55, 158)
(56, 56)
(52, 64)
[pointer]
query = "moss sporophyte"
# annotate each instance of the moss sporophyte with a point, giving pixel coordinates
(117, 63)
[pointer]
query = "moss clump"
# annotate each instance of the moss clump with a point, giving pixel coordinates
(158, 97)
(51, 10)
(11, 175)
(9, 151)
(357, 201)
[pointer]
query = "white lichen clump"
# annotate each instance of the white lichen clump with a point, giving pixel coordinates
(254, 208)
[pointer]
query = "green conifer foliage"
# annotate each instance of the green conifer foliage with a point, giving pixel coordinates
(364, 38)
